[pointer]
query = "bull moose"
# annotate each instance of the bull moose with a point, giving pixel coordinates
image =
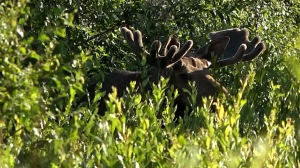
(182, 67)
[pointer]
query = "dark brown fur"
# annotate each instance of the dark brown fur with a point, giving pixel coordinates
(180, 67)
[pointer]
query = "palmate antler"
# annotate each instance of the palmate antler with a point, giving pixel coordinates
(239, 48)
(172, 53)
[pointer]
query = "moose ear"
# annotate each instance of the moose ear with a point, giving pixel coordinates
(214, 48)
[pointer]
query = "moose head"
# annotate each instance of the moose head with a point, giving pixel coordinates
(182, 67)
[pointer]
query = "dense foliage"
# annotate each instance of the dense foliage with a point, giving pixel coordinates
(50, 51)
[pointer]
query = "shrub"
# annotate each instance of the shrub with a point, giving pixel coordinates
(50, 51)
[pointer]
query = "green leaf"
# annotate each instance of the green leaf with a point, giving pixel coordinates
(43, 38)
(60, 31)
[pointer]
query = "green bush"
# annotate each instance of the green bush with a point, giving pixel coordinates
(51, 50)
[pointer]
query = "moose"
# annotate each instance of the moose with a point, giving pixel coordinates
(182, 67)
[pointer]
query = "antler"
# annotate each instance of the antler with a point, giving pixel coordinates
(172, 54)
(134, 41)
(239, 46)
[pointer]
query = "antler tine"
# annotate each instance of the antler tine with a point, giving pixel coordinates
(138, 41)
(172, 52)
(172, 40)
(260, 47)
(238, 44)
(236, 58)
(134, 41)
(158, 60)
(181, 53)
(167, 60)
(154, 53)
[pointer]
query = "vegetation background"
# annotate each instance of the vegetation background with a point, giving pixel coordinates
(50, 50)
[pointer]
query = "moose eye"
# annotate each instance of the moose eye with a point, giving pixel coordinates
(183, 76)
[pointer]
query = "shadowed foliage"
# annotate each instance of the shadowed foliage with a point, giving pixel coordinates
(53, 53)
